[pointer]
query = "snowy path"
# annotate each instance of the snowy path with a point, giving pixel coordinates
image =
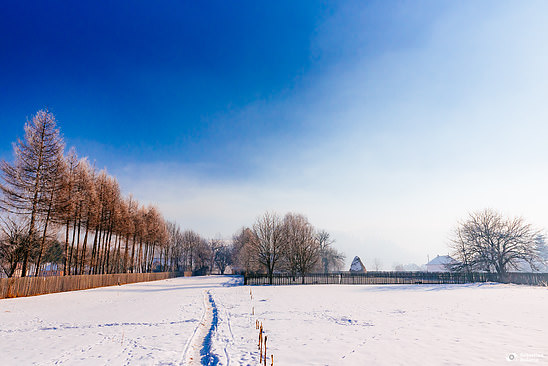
(198, 349)
(206, 356)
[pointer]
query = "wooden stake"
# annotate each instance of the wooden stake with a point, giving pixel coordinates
(265, 338)
(261, 339)
(272, 357)
(261, 346)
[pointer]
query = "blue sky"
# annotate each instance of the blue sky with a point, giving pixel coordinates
(384, 122)
(157, 82)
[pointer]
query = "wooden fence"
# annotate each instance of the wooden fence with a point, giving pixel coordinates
(385, 278)
(30, 286)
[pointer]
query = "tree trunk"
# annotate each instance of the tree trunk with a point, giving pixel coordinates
(133, 253)
(43, 242)
(65, 264)
(69, 269)
(126, 249)
(77, 247)
(94, 249)
(150, 268)
(139, 261)
(117, 261)
(108, 263)
(34, 203)
(82, 260)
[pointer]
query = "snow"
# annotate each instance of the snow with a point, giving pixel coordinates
(474, 324)
(143, 323)
(166, 323)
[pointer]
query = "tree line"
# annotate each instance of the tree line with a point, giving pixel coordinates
(58, 208)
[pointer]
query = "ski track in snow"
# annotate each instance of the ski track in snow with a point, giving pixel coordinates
(191, 354)
(207, 357)
(198, 350)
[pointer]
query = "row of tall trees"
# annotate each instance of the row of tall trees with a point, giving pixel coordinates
(52, 202)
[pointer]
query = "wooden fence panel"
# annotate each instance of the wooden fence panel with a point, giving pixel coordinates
(31, 286)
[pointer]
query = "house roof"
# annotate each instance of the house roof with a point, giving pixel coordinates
(441, 260)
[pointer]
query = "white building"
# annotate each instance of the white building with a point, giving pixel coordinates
(440, 264)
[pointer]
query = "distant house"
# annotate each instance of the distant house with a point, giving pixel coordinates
(441, 263)
(51, 269)
(357, 266)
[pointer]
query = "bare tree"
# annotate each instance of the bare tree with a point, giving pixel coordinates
(13, 240)
(223, 257)
(191, 242)
(202, 257)
(243, 253)
(268, 244)
(221, 254)
(175, 248)
(488, 241)
(87, 205)
(331, 259)
(377, 264)
(27, 182)
(302, 249)
(66, 215)
(325, 242)
(335, 259)
(156, 234)
(136, 214)
(214, 245)
(52, 203)
(292, 237)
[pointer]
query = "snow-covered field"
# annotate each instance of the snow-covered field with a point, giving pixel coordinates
(138, 324)
(172, 321)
